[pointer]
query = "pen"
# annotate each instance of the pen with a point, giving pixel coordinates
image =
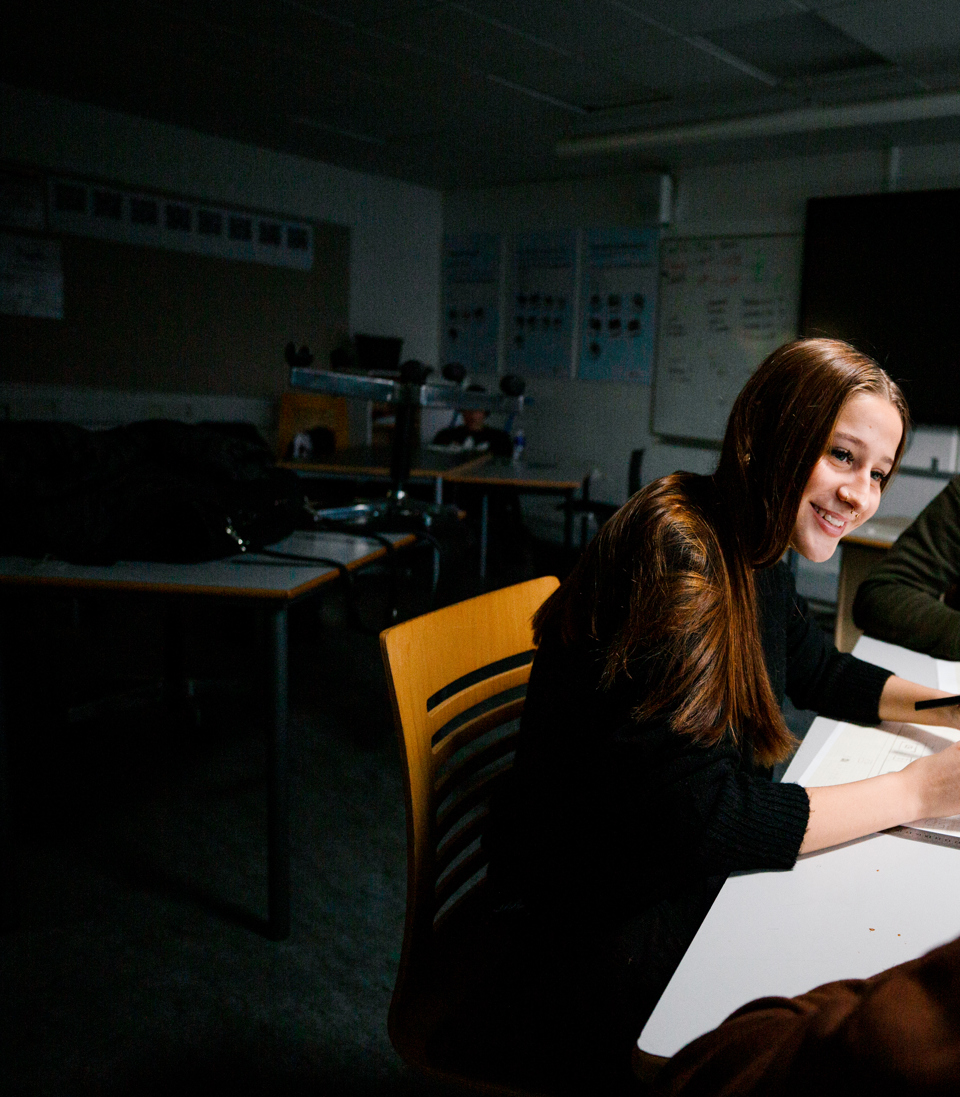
(937, 702)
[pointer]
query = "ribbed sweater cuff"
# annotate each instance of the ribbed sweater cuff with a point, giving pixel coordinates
(761, 829)
(862, 685)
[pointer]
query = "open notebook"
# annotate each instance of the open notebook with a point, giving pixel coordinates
(853, 753)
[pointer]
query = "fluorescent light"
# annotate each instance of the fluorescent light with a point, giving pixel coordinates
(804, 120)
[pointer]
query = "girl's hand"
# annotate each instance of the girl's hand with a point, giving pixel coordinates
(936, 781)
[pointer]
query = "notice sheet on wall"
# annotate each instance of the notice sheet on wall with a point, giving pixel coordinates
(471, 300)
(619, 302)
(540, 325)
(31, 277)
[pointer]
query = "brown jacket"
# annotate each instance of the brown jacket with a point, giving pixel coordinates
(895, 1033)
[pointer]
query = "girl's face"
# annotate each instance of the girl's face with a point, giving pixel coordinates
(844, 488)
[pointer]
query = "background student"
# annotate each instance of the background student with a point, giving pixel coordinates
(911, 598)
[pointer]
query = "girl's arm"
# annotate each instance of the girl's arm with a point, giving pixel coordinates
(926, 788)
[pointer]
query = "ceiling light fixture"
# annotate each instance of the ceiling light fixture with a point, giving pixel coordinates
(803, 120)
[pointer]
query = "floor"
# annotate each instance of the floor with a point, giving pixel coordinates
(140, 857)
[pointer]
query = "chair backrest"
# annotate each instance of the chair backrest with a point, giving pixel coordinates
(302, 411)
(457, 680)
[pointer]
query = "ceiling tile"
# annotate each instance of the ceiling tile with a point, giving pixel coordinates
(699, 16)
(456, 92)
(899, 30)
(616, 37)
(794, 46)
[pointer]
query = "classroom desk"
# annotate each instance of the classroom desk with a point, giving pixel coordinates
(372, 463)
(272, 585)
(526, 477)
(441, 467)
(846, 912)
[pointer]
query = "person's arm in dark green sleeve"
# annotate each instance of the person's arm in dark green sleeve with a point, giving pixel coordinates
(901, 600)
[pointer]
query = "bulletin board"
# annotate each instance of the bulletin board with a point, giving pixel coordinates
(471, 301)
(141, 318)
(725, 303)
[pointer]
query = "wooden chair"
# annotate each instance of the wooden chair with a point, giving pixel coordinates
(302, 411)
(457, 679)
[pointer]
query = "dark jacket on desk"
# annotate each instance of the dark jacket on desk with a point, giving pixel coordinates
(900, 601)
(621, 832)
(897, 1033)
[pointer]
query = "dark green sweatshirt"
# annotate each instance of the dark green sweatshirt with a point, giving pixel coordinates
(902, 601)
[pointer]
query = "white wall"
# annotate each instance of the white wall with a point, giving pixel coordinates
(601, 423)
(395, 227)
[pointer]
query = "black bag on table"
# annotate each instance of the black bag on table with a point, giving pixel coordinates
(156, 490)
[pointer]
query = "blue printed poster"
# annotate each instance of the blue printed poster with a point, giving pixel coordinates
(471, 298)
(541, 295)
(618, 305)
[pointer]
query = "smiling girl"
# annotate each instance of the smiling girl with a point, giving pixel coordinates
(652, 718)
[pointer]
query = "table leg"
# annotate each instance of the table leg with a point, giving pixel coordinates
(585, 519)
(568, 523)
(484, 532)
(438, 499)
(278, 778)
(9, 889)
(176, 688)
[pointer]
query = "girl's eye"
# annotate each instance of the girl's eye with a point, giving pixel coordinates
(880, 477)
(841, 454)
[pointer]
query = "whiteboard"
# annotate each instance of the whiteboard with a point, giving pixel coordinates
(725, 303)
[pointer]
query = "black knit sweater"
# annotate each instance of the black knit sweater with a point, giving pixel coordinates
(606, 818)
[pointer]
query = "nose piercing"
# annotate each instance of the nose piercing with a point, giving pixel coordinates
(845, 498)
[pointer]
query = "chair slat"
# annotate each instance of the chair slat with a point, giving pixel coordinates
(462, 769)
(466, 733)
(456, 877)
(479, 790)
(456, 841)
(476, 695)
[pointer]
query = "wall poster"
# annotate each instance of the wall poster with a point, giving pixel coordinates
(619, 298)
(540, 297)
(471, 302)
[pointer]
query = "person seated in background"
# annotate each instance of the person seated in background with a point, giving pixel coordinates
(911, 598)
(473, 433)
(897, 1032)
(508, 540)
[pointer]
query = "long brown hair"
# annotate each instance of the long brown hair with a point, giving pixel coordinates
(666, 588)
